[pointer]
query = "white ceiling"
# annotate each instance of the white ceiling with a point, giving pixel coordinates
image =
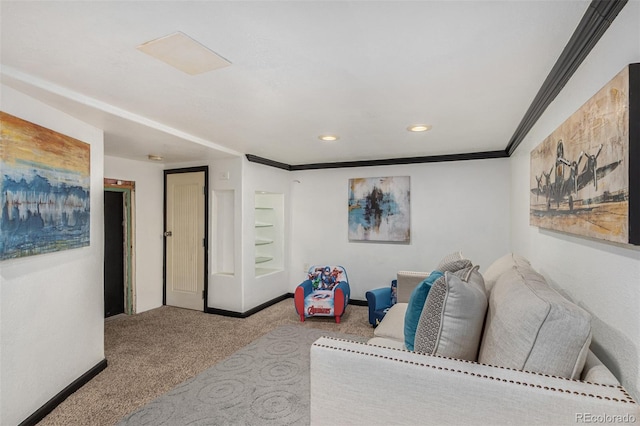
(364, 70)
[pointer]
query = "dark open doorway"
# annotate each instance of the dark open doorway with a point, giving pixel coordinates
(119, 247)
(114, 254)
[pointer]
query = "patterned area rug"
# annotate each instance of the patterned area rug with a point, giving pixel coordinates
(264, 383)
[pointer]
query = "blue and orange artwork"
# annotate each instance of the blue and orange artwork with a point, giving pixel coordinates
(379, 209)
(44, 190)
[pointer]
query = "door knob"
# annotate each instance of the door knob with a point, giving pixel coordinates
(168, 234)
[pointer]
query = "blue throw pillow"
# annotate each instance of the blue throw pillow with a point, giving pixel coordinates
(416, 303)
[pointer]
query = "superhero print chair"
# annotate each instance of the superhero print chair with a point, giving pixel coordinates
(324, 293)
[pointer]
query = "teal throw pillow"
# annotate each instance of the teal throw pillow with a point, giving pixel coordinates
(414, 309)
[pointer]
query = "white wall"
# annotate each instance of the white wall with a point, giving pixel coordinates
(460, 205)
(226, 290)
(148, 178)
(603, 278)
(51, 305)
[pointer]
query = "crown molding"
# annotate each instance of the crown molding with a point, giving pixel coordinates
(596, 20)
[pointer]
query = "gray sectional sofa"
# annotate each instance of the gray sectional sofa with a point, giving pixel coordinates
(523, 358)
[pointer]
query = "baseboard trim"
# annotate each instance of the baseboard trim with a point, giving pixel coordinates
(235, 314)
(42, 412)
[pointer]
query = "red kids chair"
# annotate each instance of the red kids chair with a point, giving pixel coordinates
(325, 292)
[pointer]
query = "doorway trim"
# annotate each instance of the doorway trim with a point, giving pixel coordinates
(127, 188)
(167, 172)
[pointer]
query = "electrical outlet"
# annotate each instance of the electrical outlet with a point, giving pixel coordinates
(224, 175)
(306, 267)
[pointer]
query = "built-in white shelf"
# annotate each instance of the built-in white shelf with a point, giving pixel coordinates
(269, 233)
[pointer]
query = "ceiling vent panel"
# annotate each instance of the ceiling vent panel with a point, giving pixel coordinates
(184, 53)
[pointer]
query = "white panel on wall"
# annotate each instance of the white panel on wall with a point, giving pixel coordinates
(224, 237)
(226, 287)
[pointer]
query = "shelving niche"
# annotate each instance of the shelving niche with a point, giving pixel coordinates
(269, 233)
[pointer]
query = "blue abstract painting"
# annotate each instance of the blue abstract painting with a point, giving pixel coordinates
(44, 190)
(379, 209)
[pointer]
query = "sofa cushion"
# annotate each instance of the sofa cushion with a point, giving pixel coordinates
(501, 266)
(531, 327)
(414, 309)
(453, 316)
(453, 262)
(392, 325)
(407, 281)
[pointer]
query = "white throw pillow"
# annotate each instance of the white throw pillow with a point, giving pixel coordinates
(530, 326)
(453, 316)
(392, 325)
(500, 266)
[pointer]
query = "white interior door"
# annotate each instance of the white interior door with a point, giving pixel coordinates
(184, 235)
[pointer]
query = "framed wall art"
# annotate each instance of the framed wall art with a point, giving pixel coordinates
(379, 209)
(44, 190)
(585, 175)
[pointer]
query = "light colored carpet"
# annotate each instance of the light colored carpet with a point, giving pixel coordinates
(151, 353)
(264, 383)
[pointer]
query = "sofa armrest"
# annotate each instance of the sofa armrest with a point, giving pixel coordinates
(344, 286)
(306, 287)
(302, 291)
(595, 371)
(418, 388)
(342, 294)
(378, 298)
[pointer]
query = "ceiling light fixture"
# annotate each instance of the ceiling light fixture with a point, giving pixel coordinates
(184, 53)
(154, 157)
(419, 127)
(328, 138)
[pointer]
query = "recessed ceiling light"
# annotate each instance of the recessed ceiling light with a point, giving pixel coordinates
(419, 127)
(154, 157)
(328, 138)
(184, 53)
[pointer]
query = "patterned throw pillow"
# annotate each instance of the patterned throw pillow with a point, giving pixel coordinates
(453, 316)
(414, 308)
(453, 262)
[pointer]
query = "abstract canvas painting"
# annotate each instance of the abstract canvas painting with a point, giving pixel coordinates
(580, 174)
(45, 183)
(379, 209)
